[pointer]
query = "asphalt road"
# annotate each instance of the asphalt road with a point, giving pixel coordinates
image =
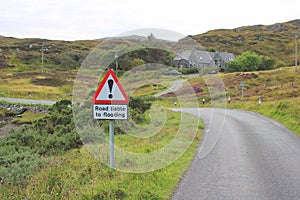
(175, 86)
(27, 101)
(242, 156)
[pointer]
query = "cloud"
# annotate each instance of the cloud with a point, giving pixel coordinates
(74, 19)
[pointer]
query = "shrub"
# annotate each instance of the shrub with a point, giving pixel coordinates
(191, 70)
(280, 64)
(138, 106)
(248, 61)
(21, 150)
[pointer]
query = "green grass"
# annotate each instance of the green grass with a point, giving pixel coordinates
(6, 113)
(32, 85)
(78, 175)
(284, 111)
(28, 118)
(149, 89)
(279, 90)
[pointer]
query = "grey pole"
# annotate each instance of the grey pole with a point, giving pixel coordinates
(42, 59)
(42, 50)
(296, 52)
(117, 67)
(242, 92)
(111, 136)
(116, 57)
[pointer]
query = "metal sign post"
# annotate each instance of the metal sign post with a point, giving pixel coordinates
(242, 92)
(242, 86)
(296, 52)
(112, 146)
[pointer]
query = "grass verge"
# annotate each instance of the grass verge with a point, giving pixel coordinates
(284, 111)
(28, 118)
(78, 175)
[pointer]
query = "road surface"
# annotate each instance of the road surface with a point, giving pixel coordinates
(175, 86)
(28, 101)
(253, 158)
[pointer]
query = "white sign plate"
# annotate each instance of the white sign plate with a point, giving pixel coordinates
(105, 111)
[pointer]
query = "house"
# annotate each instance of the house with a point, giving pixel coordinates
(197, 58)
(220, 59)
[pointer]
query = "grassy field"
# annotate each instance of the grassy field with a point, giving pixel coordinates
(6, 113)
(78, 175)
(28, 118)
(279, 91)
(52, 86)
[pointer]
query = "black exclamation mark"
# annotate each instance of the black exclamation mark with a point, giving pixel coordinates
(110, 86)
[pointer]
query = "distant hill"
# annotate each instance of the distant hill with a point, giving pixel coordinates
(25, 54)
(130, 37)
(276, 41)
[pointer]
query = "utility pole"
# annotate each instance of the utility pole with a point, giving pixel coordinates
(296, 52)
(116, 57)
(42, 50)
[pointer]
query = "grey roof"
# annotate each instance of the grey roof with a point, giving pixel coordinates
(195, 57)
(212, 54)
(199, 58)
(227, 56)
(183, 55)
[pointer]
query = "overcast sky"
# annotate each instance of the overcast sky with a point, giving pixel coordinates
(91, 19)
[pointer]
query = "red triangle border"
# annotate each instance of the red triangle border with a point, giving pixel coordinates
(126, 99)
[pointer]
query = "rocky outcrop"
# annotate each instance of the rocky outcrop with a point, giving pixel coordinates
(19, 109)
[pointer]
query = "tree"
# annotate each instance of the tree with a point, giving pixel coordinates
(267, 63)
(248, 61)
(234, 66)
(136, 62)
(212, 50)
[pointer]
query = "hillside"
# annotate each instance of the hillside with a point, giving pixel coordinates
(21, 59)
(276, 41)
(278, 90)
(25, 54)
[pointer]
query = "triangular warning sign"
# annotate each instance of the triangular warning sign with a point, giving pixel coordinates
(110, 91)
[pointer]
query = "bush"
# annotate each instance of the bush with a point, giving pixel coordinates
(248, 61)
(234, 66)
(267, 63)
(138, 106)
(191, 70)
(21, 150)
(280, 64)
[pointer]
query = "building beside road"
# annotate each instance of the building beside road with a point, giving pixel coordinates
(198, 58)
